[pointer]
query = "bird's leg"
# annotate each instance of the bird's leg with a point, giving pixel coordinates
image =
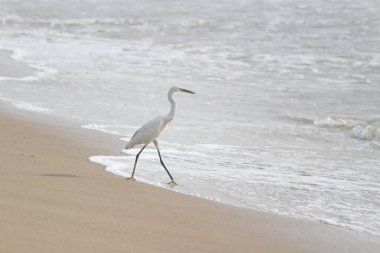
(171, 183)
(132, 178)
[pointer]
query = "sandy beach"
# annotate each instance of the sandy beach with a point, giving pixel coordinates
(52, 199)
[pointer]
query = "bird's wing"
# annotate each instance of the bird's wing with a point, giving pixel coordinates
(135, 133)
(147, 133)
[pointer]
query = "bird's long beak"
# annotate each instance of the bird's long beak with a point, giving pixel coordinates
(188, 91)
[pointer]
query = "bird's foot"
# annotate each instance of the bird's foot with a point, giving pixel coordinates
(130, 178)
(172, 184)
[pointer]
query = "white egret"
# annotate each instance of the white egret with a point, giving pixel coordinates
(152, 129)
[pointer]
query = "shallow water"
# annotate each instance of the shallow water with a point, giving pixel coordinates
(286, 115)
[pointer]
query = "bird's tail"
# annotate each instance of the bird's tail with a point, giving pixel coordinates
(130, 144)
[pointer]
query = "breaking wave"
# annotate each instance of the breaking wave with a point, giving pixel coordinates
(369, 130)
(333, 122)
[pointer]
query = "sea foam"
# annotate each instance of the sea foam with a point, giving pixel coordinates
(42, 72)
(26, 106)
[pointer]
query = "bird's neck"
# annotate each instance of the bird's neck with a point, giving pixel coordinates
(170, 115)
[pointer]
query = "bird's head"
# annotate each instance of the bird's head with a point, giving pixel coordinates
(178, 89)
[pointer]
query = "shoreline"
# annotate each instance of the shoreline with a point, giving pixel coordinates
(50, 192)
(13, 69)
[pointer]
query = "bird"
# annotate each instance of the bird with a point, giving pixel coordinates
(151, 130)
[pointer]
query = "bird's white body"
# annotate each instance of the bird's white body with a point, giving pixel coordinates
(148, 132)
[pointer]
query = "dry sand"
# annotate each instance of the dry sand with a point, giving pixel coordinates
(52, 199)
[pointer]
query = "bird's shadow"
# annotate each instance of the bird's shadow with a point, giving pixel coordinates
(59, 175)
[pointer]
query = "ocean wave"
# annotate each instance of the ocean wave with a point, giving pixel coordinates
(367, 131)
(14, 20)
(101, 128)
(106, 26)
(46, 73)
(114, 129)
(299, 120)
(356, 228)
(26, 106)
(335, 122)
(42, 72)
(31, 107)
